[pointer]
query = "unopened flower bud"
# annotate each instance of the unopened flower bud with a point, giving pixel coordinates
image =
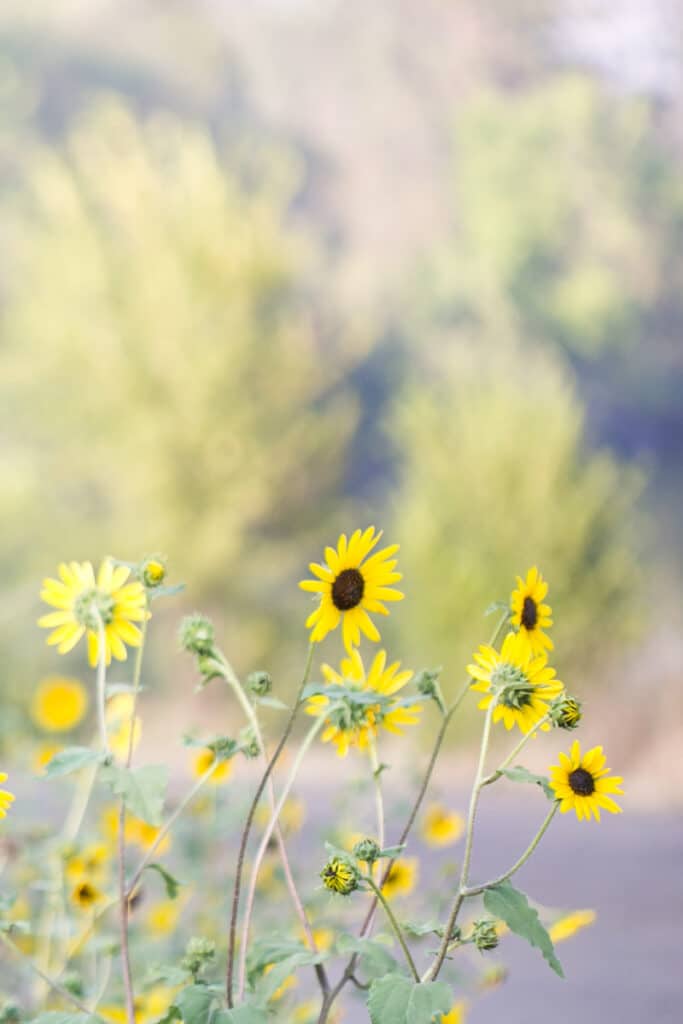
(565, 712)
(484, 934)
(366, 850)
(198, 955)
(427, 681)
(197, 634)
(260, 683)
(340, 875)
(153, 571)
(248, 742)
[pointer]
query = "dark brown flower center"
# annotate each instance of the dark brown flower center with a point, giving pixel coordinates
(581, 782)
(347, 589)
(529, 613)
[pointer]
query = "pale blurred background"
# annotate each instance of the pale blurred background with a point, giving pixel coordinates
(272, 270)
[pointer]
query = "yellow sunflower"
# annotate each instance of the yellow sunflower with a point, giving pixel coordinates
(402, 878)
(529, 613)
(570, 924)
(581, 783)
(350, 585)
(456, 1014)
(59, 704)
(354, 725)
(83, 601)
(521, 684)
(441, 827)
(5, 798)
(203, 760)
(85, 896)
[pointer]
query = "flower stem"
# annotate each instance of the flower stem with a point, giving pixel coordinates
(478, 889)
(102, 683)
(303, 750)
(394, 924)
(379, 805)
(247, 828)
(494, 776)
(50, 982)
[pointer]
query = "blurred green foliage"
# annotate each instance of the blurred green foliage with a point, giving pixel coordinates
(495, 478)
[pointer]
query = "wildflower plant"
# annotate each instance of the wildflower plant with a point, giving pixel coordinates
(236, 952)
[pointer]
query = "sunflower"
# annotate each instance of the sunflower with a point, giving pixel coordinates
(529, 613)
(84, 602)
(521, 684)
(350, 585)
(456, 1014)
(59, 704)
(402, 878)
(85, 895)
(570, 924)
(355, 724)
(441, 827)
(203, 760)
(582, 784)
(5, 798)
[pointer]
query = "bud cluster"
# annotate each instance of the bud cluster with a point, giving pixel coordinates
(367, 850)
(484, 934)
(565, 712)
(199, 953)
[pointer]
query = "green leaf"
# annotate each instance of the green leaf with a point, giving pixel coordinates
(497, 606)
(512, 906)
(168, 973)
(272, 702)
(375, 958)
(419, 930)
(269, 983)
(142, 789)
(241, 1015)
(393, 851)
(56, 1017)
(395, 999)
(72, 759)
(172, 884)
(196, 1004)
(521, 774)
(165, 591)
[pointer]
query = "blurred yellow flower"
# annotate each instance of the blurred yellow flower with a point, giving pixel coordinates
(291, 818)
(456, 1014)
(91, 863)
(201, 762)
(85, 895)
(581, 783)
(529, 613)
(521, 685)
(59, 703)
(570, 924)
(5, 798)
(43, 755)
(323, 938)
(402, 878)
(145, 835)
(120, 725)
(350, 584)
(355, 725)
(84, 602)
(289, 982)
(163, 917)
(441, 827)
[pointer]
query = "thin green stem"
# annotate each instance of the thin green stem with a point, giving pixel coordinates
(478, 889)
(50, 982)
(394, 924)
(379, 806)
(234, 910)
(265, 839)
(102, 683)
(494, 776)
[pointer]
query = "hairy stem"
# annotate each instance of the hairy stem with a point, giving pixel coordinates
(232, 928)
(395, 925)
(478, 889)
(494, 776)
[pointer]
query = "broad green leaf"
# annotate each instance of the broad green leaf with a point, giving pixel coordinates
(374, 955)
(395, 999)
(241, 1015)
(393, 851)
(418, 930)
(170, 974)
(72, 759)
(143, 790)
(269, 983)
(521, 774)
(196, 1004)
(512, 906)
(172, 884)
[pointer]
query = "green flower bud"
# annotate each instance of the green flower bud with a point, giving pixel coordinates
(427, 681)
(260, 683)
(340, 875)
(152, 572)
(248, 742)
(197, 634)
(366, 850)
(199, 953)
(484, 934)
(73, 983)
(565, 712)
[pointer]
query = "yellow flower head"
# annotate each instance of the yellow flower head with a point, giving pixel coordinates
(91, 863)
(5, 798)
(521, 684)
(290, 982)
(120, 724)
(85, 895)
(59, 704)
(402, 878)
(340, 875)
(529, 613)
(570, 924)
(84, 602)
(203, 760)
(441, 827)
(163, 918)
(355, 725)
(351, 584)
(43, 755)
(581, 783)
(456, 1014)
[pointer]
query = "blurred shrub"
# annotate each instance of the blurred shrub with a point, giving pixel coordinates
(495, 478)
(165, 382)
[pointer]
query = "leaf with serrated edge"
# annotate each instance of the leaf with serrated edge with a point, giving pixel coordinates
(395, 999)
(512, 906)
(72, 759)
(521, 774)
(172, 884)
(143, 790)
